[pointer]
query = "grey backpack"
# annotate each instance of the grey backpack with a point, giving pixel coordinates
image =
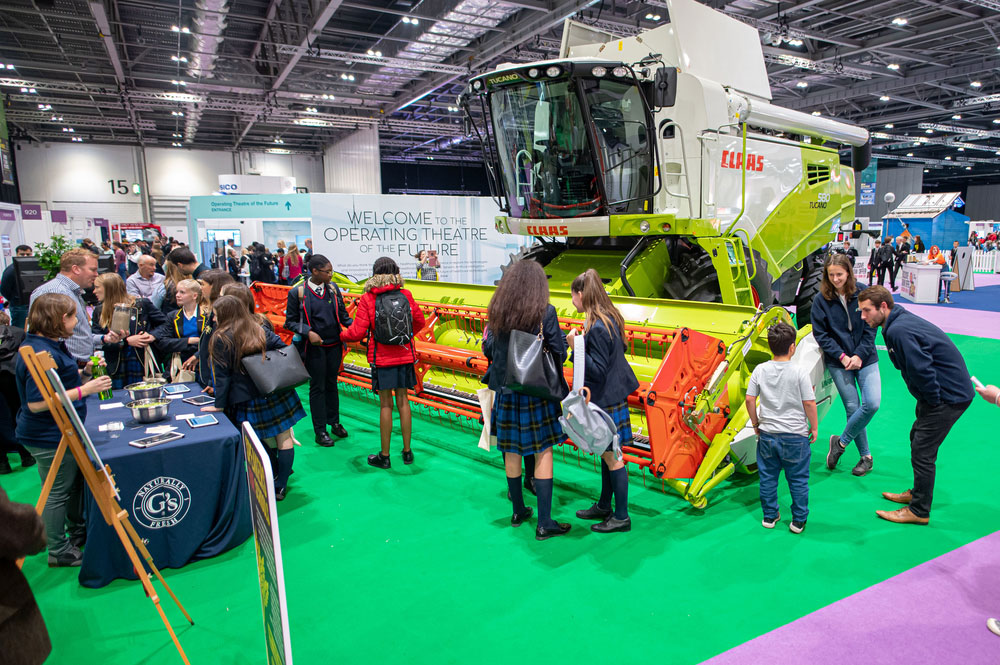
(586, 424)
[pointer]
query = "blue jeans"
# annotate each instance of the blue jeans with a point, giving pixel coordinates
(789, 452)
(859, 413)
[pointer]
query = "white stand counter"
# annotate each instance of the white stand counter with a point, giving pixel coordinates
(919, 283)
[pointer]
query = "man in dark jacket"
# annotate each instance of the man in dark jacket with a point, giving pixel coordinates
(935, 374)
(848, 251)
(23, 637)
(11, 293)
(900, 255)
(884, 258)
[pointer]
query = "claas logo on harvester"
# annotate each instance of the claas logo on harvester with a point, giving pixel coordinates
(733, 159)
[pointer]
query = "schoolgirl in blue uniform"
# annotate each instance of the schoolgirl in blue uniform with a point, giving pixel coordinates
(183, 330)
(524, 424)
(125, 357)
(610, 380)
(236, 336)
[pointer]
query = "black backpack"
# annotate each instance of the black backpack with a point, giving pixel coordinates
(10, 340)
(393, 318)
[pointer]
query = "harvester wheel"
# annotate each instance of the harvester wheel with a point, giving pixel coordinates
(537, 252)
(762, 281)
(693, 278)
(812, 276)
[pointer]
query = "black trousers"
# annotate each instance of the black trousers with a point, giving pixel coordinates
(893, 271)
(880, 275)
(926, 436)
(323, 363)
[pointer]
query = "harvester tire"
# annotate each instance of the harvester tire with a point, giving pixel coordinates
(693, 278)
(762, 282)
(812, 276)
(537, 252)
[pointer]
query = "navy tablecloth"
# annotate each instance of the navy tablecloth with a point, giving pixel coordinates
(187, 499)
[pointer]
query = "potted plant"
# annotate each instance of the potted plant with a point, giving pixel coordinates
(49, 256)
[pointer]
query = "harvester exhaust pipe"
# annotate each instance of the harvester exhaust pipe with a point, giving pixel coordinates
(629, 258)
(757, 113)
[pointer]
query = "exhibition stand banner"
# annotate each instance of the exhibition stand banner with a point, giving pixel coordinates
(267, 544)
(354, 230)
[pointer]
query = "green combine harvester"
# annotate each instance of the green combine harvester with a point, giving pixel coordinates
(659, 161)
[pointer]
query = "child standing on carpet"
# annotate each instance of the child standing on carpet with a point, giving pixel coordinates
(238, 335)
(785, 423)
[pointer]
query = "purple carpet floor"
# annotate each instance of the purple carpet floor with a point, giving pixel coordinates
(934, 613)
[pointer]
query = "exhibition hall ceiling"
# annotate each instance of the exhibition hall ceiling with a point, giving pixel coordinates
(293, 75)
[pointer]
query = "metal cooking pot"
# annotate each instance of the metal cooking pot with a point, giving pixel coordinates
(149, 414)
(146, 393)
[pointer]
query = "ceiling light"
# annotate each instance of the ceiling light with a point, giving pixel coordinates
(961, 149)
(10, 66)
(179, 82)
(406, 19)
(928, 131)
(996, 121)
(329, 97)
(56, 118)
(927, 171)
(968, 168)
(889, 125)
(176, 135)
(179, 58)
(375, 54)
(414, 21)
(957, 116)
(278, 151)
(899, 20)
(347, 77)
(802, 84)
(29, 91)
(45, 107)
(795, 42)
(884, 98)
(312, 109)
(909, 154)
(817, 113)
(76, 139)
(649, 17)
(656, 17)
(948, 158)
(893, 66)
(179, 114)
(68, 129)
(312, 122)
(279, 141)
(186, 30)
(976, 84)
(176, 144)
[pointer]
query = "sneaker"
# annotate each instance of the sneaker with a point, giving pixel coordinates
(379, 460)
(993, 625)
(797, 527)
(863, 466)
(769, 523)
(71, 558)
(836, 450)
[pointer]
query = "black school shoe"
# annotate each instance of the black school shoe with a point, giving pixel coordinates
(27, 460)
(595, 512)
(517, 520)
(407, 457)
(338, 430)
(379, 460)
(5, 465)
(546, 532)
(612, 525)
(323, 439)
(279, 494)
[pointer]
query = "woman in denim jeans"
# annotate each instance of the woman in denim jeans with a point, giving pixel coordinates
(849, 351)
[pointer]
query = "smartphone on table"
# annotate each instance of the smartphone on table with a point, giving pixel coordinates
(202, 421)
(155, 440)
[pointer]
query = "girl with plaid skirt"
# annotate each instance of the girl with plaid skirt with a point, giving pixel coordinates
(610, 380)
(524, 424)
(238, 335)
(125, 357)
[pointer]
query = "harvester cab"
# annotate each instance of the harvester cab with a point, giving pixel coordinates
(659, 160)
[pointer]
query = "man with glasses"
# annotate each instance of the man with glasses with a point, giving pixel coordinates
(316, 314)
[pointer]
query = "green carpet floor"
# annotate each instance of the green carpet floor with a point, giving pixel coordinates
(419, 564)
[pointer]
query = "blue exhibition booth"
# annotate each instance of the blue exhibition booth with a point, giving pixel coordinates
(932, 217)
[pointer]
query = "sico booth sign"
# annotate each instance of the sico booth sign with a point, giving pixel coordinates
(256, 184)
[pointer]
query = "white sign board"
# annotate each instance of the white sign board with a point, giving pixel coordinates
(354, 230)
(256, 184)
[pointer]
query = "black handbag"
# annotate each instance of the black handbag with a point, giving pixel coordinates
(278, 369)
(531, 368)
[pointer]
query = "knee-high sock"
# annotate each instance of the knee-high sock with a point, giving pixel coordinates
(619, 483)
(516, 496)
(285, 459)
(529, 467)
(272, 454)
(604, 503)
(543, 491)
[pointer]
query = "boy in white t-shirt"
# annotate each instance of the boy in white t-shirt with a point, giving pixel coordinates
(785, 423)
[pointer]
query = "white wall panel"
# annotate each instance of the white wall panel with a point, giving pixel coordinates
(181, 172)
(353, 165)
(77, 172)
(983, 202)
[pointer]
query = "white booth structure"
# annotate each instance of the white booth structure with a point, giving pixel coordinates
(919, 282)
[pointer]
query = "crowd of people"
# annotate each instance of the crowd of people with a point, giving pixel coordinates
(988, 242)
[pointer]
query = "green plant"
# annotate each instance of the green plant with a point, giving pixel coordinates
(49, 256)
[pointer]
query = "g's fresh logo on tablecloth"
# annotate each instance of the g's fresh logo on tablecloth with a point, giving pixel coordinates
(161, 503)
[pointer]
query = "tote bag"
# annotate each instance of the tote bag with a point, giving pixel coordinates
(531, 367)
(277, 369)
(587, 425)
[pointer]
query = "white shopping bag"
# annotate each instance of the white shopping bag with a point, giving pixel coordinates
(486, 404)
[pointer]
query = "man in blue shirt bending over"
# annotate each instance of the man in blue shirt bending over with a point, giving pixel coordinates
(935, 374)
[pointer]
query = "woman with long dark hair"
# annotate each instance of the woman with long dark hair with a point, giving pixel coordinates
(238, 335)
(524, 424)
(125, 358)
(849, 352)
(610, 380)
(51, 320)
(392, 365)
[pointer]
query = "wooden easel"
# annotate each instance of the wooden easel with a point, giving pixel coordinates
(101, 485)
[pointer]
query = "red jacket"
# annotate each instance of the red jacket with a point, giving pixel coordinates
(389, 355)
